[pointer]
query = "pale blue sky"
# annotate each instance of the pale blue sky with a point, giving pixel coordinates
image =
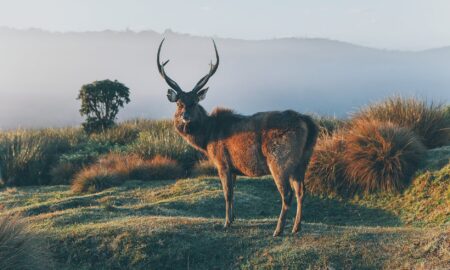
(388, 24)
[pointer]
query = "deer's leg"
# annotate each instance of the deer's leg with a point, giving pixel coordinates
(286, 199)
(233, 211)
(298, 184)
(226, 178)
(299, 189)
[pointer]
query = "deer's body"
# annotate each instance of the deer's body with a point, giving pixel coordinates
(276, 143)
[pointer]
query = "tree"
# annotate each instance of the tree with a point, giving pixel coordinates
(100, 103)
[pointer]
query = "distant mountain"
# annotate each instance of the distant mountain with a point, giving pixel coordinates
(41, 73)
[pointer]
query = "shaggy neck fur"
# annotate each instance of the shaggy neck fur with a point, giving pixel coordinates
(197, 133)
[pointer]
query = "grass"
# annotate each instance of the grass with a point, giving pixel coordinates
(20, 248)
(114, 169)
(54, 156)
(381, 156)
(430, 121)
(178, 225)
(326, 170)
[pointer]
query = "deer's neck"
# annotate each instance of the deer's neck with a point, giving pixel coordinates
(196, 133)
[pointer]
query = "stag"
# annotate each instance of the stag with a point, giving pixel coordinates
(276, 143)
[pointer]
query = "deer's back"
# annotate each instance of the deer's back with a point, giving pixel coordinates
(252, 144)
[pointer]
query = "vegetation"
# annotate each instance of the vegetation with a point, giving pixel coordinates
(114, 169)
(381, 156)
(429, 121)
(326, 170)
(100, 103)
(204, 168)
(55, 156)
(178, 225)
(20, 248)
(27, 156)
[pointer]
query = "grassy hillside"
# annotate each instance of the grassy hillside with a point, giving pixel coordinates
(377, 198)
(178, 224)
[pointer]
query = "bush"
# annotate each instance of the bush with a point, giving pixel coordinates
(63, 173)
(113, 169)
(329, 124)
(94, 179)
(21, 249)
(430, 121)
(163, 140)
(204, 168)
(121, 134)
(158, 168)
(381, 156)
(326, 170)
(26, 157)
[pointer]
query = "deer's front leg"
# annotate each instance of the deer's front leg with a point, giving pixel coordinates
(226, 178)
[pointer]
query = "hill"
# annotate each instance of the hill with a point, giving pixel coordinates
(178, 225)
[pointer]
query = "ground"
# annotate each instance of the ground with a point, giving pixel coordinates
(178, 225)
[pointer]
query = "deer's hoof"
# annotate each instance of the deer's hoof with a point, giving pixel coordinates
(277, 233)
(295, 230)
(227, 225)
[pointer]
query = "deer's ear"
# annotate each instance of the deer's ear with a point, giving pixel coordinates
(172, 95)
(202, 94)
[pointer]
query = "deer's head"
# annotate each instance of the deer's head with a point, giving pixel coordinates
(188, 111)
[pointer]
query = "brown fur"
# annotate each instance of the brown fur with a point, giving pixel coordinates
(276, 143)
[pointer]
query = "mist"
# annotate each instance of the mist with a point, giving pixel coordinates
(41, 73)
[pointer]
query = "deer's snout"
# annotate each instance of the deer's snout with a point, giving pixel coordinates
(186, 117)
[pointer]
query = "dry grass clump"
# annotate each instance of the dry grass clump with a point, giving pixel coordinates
(157, 168)
(381, 156)
(430, 121)
(329, 124)
(21, 249)
(114, 169)
(325, 173)
(204, 168)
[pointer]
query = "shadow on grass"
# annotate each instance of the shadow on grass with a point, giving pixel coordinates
(204, 244)
(259, 199)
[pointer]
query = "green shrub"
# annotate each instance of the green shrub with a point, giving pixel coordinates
(381, 156)
(162, 140)
(26, 157)
(20, 248)
(430, 121)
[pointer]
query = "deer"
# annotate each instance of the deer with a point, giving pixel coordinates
(279, 143)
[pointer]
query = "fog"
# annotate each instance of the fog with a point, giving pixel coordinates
(42, 72)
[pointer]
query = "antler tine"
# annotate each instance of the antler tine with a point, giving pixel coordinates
(161, 70)
(212, 70)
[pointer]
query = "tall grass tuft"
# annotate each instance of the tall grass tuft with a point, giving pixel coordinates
(329, 124)
(113, 169)
(21, 249)
(161, 139)
(204, 168)
(326, 170)
(26, 157)
(381, 156)
(430, 121)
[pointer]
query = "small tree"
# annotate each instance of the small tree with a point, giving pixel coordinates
(100, 103)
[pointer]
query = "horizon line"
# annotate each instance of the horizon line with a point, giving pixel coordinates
(170, 31)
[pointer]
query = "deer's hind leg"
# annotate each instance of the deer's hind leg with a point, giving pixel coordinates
(282, 183)
(227, 179)
(298, 184)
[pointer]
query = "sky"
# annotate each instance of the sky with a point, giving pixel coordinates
(385, 24)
